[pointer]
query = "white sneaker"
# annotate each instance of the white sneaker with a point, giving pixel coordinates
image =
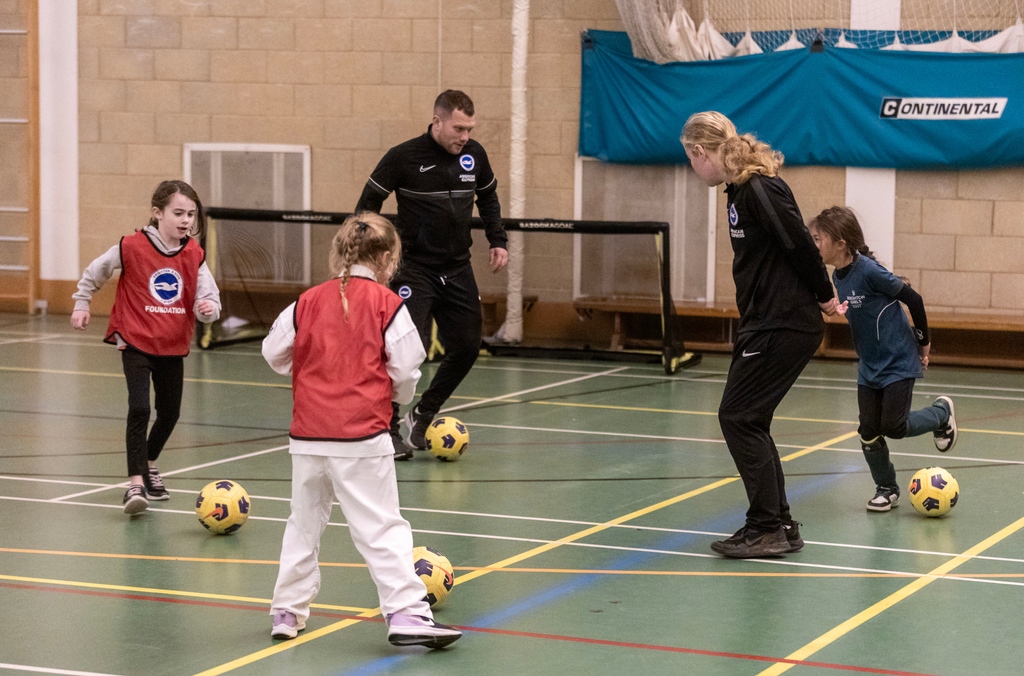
(406, 630)
(945, 438)
(286, 625)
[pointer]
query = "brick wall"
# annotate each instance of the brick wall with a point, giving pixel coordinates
(960, 238)
(351, 78)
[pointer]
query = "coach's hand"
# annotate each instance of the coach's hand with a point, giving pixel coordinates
(499, 259)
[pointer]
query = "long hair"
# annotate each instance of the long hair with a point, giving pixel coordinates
(168, 189)
(840, 223)
(363, 238)
(742, 154)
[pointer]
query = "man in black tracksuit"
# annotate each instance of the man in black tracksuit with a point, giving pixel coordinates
(435, 178)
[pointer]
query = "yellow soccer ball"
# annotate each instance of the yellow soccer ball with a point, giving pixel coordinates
(934, 491)
(447, 438)
(436, 571)
(222, 506)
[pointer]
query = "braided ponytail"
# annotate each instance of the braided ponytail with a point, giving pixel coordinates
(363, 238)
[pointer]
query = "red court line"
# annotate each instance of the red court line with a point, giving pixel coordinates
(481, 630)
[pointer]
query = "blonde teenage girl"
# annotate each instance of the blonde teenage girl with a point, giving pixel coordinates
(781, 290)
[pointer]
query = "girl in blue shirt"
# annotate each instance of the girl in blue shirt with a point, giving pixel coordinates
(892, 353)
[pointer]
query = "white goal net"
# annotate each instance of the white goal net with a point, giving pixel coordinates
(688, 30)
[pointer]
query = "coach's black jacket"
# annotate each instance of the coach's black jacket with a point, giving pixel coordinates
(435, 192)
(780, 277)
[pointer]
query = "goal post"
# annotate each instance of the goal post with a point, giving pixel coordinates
(263, 259)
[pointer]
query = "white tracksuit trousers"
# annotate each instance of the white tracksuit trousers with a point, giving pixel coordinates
(367, 489)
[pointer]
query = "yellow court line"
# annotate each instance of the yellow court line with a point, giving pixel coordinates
(166, 592)
(633, 515)
(136, 590)
(860, 618)
(249, 659)
(286, 645)
(151, 557)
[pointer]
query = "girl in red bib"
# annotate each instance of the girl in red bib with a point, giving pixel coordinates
(352, 349)
(164, 287)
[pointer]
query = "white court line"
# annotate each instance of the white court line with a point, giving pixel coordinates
(535, 389)
(47, 670)
(612, 434)
(540, 541)
(510, 517)
(50, 481)
(171, 473)
(31, 339)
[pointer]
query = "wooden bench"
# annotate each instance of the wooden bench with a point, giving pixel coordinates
(723, 317)
(963, 338)
(492, 306)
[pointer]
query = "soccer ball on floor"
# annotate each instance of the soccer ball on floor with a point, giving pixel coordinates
(436, 571)
(934, 491)
(447, 438)
(222, 506)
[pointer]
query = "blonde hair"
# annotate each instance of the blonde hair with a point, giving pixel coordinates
(742, 154)
(363, 238)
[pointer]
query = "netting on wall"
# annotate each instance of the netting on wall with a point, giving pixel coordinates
(688, 30)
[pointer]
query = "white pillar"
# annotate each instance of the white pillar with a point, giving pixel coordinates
(58, 140)
(872, 192)
(513, 327)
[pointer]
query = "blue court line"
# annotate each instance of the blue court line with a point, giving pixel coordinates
(631, 561)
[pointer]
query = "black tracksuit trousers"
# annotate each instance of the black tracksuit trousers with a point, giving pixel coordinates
(452, 299)
(765, 364)
(168, 376)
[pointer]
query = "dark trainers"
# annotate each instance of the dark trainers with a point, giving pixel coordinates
(286, 625)
(155, 489)
(792, 531)
(417, 630)
(749, 543)
(945, 438)
(884, 500)
(417, 424)
(402, 452)
(135, 499)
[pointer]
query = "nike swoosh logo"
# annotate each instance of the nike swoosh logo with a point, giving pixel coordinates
(749, 354)
(422, 168)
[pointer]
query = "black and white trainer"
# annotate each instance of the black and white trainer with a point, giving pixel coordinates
(155, 488)
(416, 424)
(405, 630)
(135, 499)
(945, 438)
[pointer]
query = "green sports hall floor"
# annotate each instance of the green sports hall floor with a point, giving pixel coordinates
(578, 522)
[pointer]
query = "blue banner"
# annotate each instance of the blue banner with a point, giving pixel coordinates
(831, 106)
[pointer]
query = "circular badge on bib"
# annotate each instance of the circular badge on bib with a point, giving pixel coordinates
(404, 291)
(467, 162)
(734, 217)
(165, 285)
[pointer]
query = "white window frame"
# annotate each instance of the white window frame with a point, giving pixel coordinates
(278, 189)
(677, 243)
